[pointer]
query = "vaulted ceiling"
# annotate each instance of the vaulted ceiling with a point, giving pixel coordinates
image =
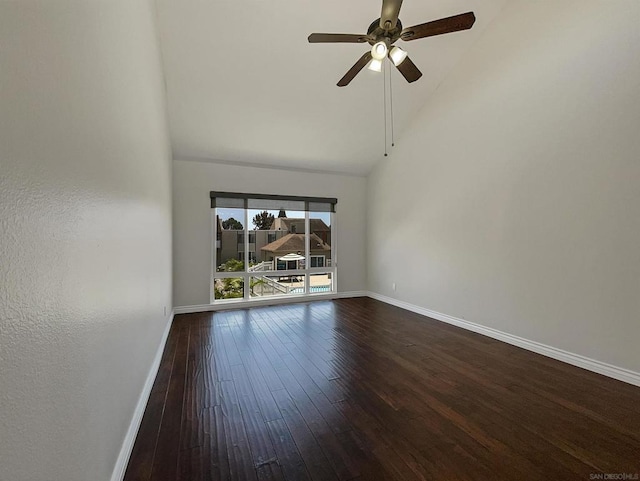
(245, 86)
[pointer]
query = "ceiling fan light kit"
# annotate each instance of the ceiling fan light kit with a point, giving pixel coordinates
(375, 65)
(397, 55)
(386, 30)
(379, 50)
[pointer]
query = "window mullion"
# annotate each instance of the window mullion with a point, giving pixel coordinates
(246, 278)
(334, 254)
(307, 250)
(214, 255)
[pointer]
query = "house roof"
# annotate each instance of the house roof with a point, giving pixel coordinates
(284, 223)
(295, 243)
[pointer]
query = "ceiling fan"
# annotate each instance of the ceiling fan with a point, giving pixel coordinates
(384, 32)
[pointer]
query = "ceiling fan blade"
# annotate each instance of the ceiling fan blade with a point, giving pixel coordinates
(409, 70)
(336, 38)
(389, 15)
(353, 71)
(456, 23)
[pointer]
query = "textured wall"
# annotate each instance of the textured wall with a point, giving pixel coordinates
(85, 231)
(513, 200)
(192, 182)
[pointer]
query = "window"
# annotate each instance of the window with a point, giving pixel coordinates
(240, 237)
(252, 256)
(317, 261)
(286, 240)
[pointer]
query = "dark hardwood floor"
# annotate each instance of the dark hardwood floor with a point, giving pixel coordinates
(356, 389)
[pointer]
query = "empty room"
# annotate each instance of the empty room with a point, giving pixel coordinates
(319, 240)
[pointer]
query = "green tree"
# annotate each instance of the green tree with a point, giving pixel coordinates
(232, 224)
(263, 220)
(232, 265)
(256, 281)
(230, 288)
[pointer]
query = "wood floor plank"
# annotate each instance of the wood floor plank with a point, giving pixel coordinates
(289, 457)
(239, 453)
(383, 450)
(190, 464)
(319, 427)
(143, 453)
(191, 434)
(262, 387)
(165, 462)
(314, 458)
(356, 389)
(208, 371)
(263, 452)
(331, 415)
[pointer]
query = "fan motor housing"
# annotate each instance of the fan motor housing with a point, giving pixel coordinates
(376, 33)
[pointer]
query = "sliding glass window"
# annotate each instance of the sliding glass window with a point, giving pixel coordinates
(268, 245)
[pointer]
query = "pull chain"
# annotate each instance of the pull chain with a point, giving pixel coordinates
(391, 102)
(384, 89)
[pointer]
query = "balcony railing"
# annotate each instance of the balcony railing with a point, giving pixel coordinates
(262, 266)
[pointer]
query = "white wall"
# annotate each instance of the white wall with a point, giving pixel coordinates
(192, 247)
(513, 199)
(85, 237)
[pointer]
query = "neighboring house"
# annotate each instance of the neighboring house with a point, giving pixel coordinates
(265, 245)
(230, 244)
(319, 251)
(296, 226)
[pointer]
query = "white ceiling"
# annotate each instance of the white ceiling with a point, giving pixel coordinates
(245, 86)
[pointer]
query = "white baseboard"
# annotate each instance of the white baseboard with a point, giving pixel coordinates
(605, 369)
(272, 301)
(130, 438)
